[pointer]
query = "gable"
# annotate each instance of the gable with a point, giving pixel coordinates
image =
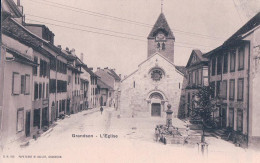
(10, 7)
(195, 58)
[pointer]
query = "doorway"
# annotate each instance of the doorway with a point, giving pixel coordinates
(28, 123)
(222, 117)
(156, 110)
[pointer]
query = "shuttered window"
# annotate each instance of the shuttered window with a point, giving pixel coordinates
(16, 84)
(240, 89)
(20, 120)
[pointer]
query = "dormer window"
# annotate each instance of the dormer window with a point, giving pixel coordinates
(158, 45)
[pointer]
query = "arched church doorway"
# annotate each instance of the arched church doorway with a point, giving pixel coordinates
(156, 104)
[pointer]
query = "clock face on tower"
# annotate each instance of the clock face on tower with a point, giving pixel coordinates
(160, 37)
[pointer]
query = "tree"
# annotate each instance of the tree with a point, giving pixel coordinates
(204, 105)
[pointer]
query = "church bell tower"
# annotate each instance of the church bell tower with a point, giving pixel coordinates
(161, 39)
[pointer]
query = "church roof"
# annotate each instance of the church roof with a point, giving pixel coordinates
(182, 69)
(161, 25)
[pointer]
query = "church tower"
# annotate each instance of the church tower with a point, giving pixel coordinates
(161, 39)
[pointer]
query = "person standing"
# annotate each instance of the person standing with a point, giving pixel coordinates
(101, 110)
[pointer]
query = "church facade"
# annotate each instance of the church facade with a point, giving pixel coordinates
(158, 81)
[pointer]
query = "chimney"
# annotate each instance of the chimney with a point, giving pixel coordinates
(18, 3)
(106, 68)
(91, 68)
(59, 46)
(98, 68)
(119, 75)
(67, 49)
(114, 69)
(81, 57)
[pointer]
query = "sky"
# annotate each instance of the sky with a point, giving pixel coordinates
(125, 24)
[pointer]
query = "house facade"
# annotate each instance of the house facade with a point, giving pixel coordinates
(197, 77)
(233, 73)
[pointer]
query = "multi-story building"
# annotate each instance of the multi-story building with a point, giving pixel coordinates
(233, 71)
(19, 73)
(111, 79)
(197, 75)
(105, 91)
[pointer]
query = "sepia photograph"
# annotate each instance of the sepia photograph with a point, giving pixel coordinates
(130, 81)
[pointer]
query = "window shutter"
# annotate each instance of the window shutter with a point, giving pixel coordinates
(22, 84)
(27, 84)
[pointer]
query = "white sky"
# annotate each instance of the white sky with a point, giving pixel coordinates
(215, 18)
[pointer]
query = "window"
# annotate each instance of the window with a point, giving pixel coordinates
(134, 84)
(200, 77)
(27, 84)
(20, 120)
(231, 89)
(231, 117)
(158, 45)
(240, 91)
(43, 90)
(212, 88)
(232, 60)
(16, 88)
(156, 75)
(69, 79)
(22, 84)
(40, 90)
(47, 90)
(163, 46)
(36, 89)
(218, 89)
(224, 89)
(193, 77)
(239, 120)
(35, 59)
(213, 67)
(241, 58)
(219, 64)
(225, 68)
(190, 78)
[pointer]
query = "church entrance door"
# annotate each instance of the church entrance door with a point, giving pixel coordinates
(156, 110)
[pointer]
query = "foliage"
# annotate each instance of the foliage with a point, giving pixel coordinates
(204, 105)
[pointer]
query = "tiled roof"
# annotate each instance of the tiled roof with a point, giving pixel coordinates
(161, 24)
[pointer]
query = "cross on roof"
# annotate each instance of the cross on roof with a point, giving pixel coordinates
(161, 6)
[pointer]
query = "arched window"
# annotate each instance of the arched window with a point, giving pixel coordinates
(158, 45)
(163, 46)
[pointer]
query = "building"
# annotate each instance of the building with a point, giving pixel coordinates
(111, 79)
(234, 72)
(93, 93)
(19, 72)
(105, 91)
(197, 77)
(158, 81)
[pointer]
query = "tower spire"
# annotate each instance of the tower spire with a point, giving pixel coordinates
(161, 6)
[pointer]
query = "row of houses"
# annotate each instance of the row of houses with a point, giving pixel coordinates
(232, 71)
(41, 82)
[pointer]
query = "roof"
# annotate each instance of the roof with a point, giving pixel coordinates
(182, 69)
(161, 25)
(102, 84)
(237, 36)
(113, 73)
(252, 23)
(199, 54)
(12, 8)
(19, 57)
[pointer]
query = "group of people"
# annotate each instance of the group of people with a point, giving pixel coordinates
(160, 134)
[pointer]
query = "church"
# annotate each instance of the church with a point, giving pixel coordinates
(157, 81)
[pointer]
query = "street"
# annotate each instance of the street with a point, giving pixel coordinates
(90, 136)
